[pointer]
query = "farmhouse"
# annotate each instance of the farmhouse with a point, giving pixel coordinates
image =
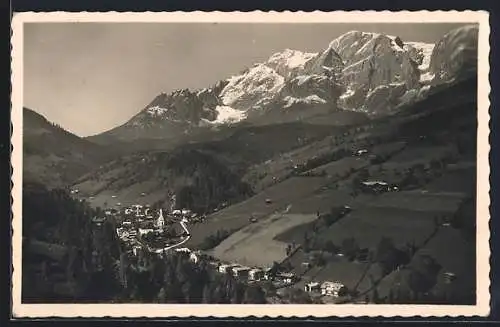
(361, 152)
(375, 186)
(287, 278)
(144, 231)
(193, 257)
(98, 220)
(240, 271)
(449, 277)
(225, 268)
(312, 287)
(136, 250)
(335, 289)
(255, 274)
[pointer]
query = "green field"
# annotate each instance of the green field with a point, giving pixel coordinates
(369, 225)
(419, 200)
(341, 167)
(238, 215)
(443, 247)
(454, 180)
(255, 245)
(423, 152)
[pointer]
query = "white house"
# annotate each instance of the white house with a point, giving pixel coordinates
(144, 231)
(193, 257)
(240, 271)
(312, 287)
(255, 274)
(287, 278)
(185, 250)
(176, 212)
(186, 212)
(136, 249)
(224, 268)
(333, 289)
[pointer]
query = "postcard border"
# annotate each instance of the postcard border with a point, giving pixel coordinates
(482, 308)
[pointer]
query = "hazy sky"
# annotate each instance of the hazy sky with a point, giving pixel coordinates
(90, 77)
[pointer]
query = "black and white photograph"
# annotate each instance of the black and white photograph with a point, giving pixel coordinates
(270, 163)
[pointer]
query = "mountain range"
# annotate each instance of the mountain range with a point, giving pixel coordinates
(358, 76)
(358, 71)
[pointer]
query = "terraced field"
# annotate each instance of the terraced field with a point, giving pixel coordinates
(255, 245)
(238, 216)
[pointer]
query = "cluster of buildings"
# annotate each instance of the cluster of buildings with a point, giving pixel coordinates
(140, 227)
(254, 274)
(327, 288)
(378, 186)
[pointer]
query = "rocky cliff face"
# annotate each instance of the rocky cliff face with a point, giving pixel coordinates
(455, 55)
(357, 71)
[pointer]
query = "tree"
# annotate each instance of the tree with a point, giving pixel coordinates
(390, 297)
(162, 295)
(387, 255)
(424, 274)
(375, 296)
(350, 248)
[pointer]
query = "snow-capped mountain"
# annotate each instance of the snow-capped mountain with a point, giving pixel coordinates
(359, 71)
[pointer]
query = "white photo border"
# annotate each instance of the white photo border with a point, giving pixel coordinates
(482, 307)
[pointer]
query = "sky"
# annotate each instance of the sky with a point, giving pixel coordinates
(91, 77)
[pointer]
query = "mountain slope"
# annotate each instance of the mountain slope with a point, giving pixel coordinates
(54, 156)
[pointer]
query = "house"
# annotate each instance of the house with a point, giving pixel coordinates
(287, 278)
(241, 272)
(186, 212)
(144, 231)
(375, 186)
(98, 220)
(132, 233)
(312, 287)
(255, 274)
(193, 257)
(306, 265)
(128, 211)
(214, 264)
(176, 212)
(119, 231)
(335, 289)
(185, 250)
(361, 152)
(267, 273)
(127, 223)
(449, 277)
(225, 268)
(136, 250)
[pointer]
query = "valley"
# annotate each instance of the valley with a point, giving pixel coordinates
(346, 167)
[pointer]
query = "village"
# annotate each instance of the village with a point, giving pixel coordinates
(163, 232)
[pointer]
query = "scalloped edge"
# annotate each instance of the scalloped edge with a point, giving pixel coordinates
(181, 311)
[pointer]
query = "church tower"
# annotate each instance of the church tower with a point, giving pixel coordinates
(160, 223)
